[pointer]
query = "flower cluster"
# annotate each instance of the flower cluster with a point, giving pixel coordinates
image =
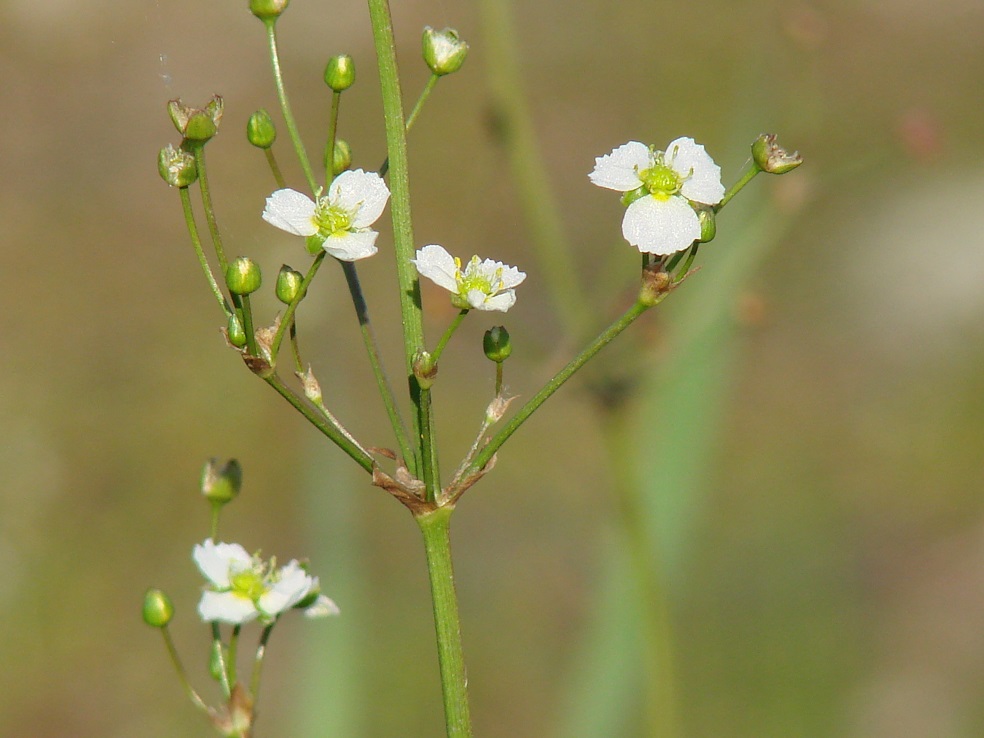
(481, 285)
(242, 588)
(662, 188)
(339, 221)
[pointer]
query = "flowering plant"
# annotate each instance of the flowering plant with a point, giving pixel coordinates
(671, 196)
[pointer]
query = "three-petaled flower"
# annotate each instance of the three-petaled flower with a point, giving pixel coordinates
(660, 188)
(242, 588)
(340, 221)
(481, 285)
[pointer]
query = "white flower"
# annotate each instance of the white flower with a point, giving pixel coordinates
(660, 219)
(483, 285)
(354, 202)
(242, 588)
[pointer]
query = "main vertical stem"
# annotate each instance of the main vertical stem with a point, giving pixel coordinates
(396, 148)
(436, 528)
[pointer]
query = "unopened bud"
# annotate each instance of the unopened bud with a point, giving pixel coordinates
(444, 52)
(216, 660)
(196, 124)
(340, 72)
(708, 225)
(267, 9)
(242, 276)
(235, 331)
(176, 166)
(772, 158)
(496, 344)
(341, 157)
(288, 284)
(260, 130)
(424, 369)
(221, 482)
(157, 608)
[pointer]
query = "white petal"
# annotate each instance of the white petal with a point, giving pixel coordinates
(349, 246)
(291, 211)
(511, 276)
(620, 169)
(438, 266)
(686, 157)
(321, 608)
(226, 607)
(362, 193)
(503, 301)
(215, 560)
(660, 226)
(292, 587)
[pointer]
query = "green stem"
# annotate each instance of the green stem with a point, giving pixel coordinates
(332, 430)
(435, 527)
(278, 176)
(432, 473)
(179, 668)
(747, 176)
(196, 241)
(396, 148)
(336, 99)
(518, 136)
(417, 107)
(233, 653)
(372, 349)
(498, 378)
(245, 311)
(214, 527)
(254, 682)
(288, 317)
(220, 655)
(295, 136)
(436, 355)
(557, 381)
(213, 226)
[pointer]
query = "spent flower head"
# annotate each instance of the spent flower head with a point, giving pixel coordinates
(481, 285)
(242, 588)
(661, 189)
(340, 221)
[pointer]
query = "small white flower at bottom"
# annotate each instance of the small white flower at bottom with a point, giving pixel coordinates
(482, 285)
(341, 220)
(660, 219)
(242, 588)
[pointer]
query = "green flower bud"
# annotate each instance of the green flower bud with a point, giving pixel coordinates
(496, 344)
(288, 284)
(196, 124)
(340, 72)
(176, 166)
(260, 130)
(424, 369)
(772, 158)
(342, 156)
(157, 608)
(444, 52)
(267, 9)
(235, 331)
(242, 276)
(708, 225)
(221, 482)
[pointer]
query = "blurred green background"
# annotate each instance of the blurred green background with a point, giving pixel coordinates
(806, 415)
